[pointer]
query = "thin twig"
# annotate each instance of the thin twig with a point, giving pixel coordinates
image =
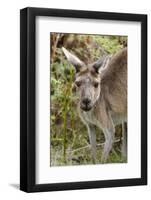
(88, 146)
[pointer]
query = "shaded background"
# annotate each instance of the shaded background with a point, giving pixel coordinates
(69, 137)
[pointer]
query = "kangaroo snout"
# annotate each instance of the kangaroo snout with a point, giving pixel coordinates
(86, 104)
(86, 101)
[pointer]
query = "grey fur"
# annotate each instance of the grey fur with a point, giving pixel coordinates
(102, 88)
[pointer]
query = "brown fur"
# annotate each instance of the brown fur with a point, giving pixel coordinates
(114, 83)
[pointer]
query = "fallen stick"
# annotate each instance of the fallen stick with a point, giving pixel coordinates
(88, 146)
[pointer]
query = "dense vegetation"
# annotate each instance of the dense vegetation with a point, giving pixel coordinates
(69, 138)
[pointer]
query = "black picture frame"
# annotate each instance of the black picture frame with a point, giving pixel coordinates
(28, 99)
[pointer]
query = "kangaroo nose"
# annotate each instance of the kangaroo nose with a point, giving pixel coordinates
(86, 101)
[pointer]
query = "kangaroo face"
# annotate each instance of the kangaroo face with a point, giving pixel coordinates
(88, 88)
(87, 80)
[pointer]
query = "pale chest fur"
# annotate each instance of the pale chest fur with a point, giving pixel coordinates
(91, 117)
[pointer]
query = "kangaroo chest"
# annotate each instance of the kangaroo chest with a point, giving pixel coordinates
(91, 117)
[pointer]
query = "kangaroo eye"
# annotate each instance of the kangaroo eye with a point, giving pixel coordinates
(78, 83)
(96, 84)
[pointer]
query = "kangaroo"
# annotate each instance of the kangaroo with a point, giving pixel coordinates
(102, 90)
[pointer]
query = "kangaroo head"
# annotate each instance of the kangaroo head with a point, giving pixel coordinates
(87, 79)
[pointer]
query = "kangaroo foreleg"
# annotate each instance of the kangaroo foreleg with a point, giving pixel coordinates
(109, 133)
(92, 138)
(109, 140)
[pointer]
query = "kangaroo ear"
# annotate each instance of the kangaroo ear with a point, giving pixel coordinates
(75, 61)
(101, 64)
